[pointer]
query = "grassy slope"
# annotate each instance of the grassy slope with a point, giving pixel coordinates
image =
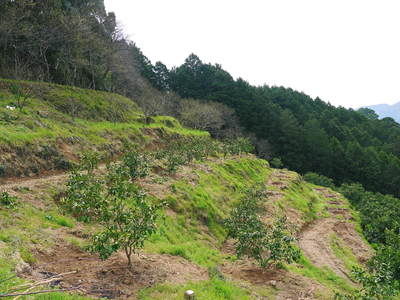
(199, 197)
(59, 122)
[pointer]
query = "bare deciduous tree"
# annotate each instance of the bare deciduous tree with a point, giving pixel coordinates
(214, 117)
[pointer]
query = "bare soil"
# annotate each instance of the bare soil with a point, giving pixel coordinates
(112, 278)
(316, 238)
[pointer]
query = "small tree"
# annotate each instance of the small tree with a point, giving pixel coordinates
(236, 146)
(72, 106)
(21, 95)
(268, 244)
(321, 180)
(128, 218)
(7, 200)
(138, 164)
(113, 200)
(84, 190)
(276, 163)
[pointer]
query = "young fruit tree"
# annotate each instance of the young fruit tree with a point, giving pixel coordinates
(128, 218)
(113, 200)
(21, 95)
(84, 195)
(268, 244)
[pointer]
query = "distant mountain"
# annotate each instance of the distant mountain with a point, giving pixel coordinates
(386, 110)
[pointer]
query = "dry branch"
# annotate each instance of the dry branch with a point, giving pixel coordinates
(39, 292)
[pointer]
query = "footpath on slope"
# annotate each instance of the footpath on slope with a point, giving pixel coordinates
(314, 239)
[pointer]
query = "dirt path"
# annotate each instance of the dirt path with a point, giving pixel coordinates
(32, 182)
(315, 242)
(315, 239)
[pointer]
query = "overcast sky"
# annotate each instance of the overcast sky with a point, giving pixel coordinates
(346, 52)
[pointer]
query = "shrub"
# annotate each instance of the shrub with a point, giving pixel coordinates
(277, 163)
(128, 218)
(138, 164)
(317, 179)
(379, 213)
(237, 146)
(376, 283)
(7, 200)
(184, 150)
(21, 95)
(84, 190)
(268, 244)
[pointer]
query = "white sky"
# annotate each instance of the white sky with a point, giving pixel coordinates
(346, 52)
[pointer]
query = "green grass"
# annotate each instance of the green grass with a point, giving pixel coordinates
(325, 276)
(185, 240)
(6, 267)
(305, 200)
(214, 289)
(59, 220)
(47, 116)
(197, 232)
(343, 252)
(103, 123)
(27, 256)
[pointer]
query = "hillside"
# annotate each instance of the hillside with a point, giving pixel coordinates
(387, 111)
(59, 123)
(123, 179)
(86, 48)
(190, 248)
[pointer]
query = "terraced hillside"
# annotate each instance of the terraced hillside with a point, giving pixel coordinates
(190, 248)
(42, 246)
(58, 123)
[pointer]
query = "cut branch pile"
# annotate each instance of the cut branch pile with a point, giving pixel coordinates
(34, 287)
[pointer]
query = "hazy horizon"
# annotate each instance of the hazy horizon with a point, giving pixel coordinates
(344, 52)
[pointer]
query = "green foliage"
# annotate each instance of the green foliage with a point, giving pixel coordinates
(128, 219)
(308, 134)
(276, 163)
(184, 150)
(205, 204)
(21, 95)
(369, 113)
(389, 253)
(379, 213)
(268, 244)
(380, 219)
(237, 146)
(84, 195)
(139, 164)
(8, 201)
(377, 283)
(317, 179)
(114, 201)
